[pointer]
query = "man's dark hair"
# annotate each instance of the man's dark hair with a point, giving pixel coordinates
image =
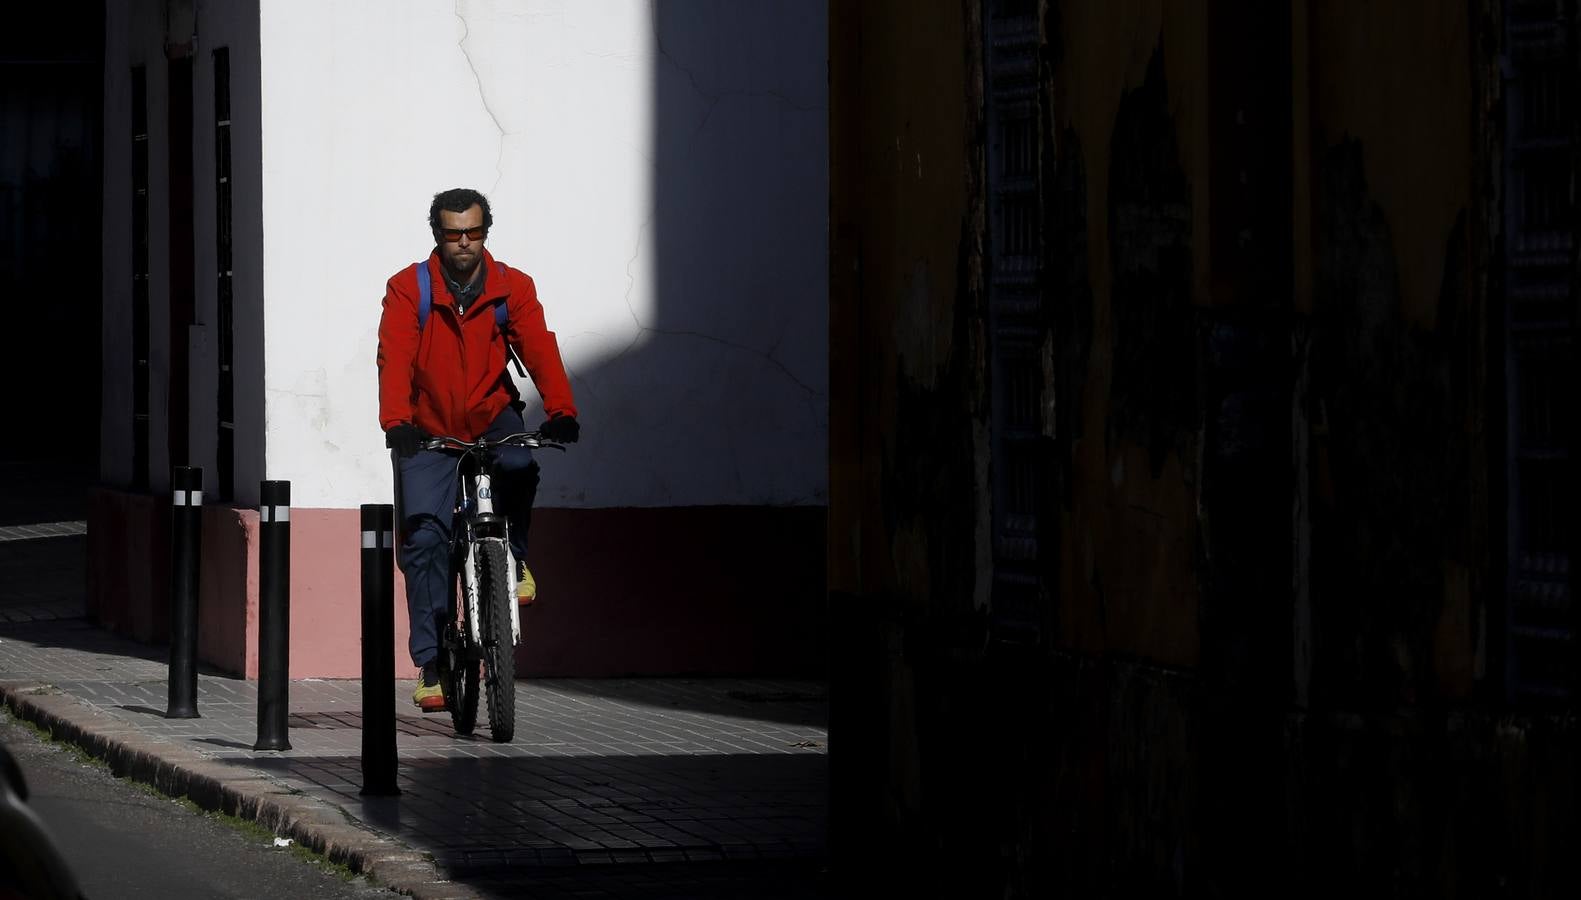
(458, 200)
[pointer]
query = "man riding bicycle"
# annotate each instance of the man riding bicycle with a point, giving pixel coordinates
(442, 371)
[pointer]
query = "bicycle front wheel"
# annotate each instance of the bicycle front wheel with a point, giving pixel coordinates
(499, 653)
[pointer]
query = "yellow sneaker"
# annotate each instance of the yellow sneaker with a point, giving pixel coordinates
(429, 697)
(526, 586)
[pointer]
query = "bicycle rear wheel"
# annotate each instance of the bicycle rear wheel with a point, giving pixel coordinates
(458, 666)
(458, 672)
(499, 653)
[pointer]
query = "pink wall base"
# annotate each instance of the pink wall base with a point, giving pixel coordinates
(326, 597)
(128, 584)
(677, 590)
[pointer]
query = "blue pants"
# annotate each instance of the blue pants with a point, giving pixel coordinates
(425, 494)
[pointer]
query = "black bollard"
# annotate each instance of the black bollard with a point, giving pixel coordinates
(378, 650)
(274, 614)
(186, 551)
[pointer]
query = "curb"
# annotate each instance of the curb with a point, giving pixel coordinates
(178, 772)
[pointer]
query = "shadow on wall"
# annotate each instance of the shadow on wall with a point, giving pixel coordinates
(738, 335)
(738, 236)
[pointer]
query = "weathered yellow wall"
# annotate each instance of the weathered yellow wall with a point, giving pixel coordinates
(908, 510)
(1393, 76)
(1130, 533)
(1106, 48)
(1206, 732)
(1394, 80)
(1396, 76)
(902, 207)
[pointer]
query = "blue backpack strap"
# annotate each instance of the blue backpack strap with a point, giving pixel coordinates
(501, 313)
(425, 302)
(502, 316)
(425, 293)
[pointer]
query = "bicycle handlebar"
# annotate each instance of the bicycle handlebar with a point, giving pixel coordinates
(532, 440)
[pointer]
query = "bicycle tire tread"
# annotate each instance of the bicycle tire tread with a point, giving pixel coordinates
(498, 650)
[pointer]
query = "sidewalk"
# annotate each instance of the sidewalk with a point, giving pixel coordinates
(602, 772)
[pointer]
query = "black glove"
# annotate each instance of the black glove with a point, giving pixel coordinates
(405, 439)
(561, 429)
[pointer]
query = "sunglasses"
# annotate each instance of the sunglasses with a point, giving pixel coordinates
(453, 235)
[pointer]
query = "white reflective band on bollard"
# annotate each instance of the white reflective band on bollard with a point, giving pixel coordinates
(274, 513)
(370, 540)
(186, 498)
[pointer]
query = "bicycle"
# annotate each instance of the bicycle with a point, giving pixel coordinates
(483, 591)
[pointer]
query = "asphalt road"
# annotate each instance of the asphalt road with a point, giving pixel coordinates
(123, 840)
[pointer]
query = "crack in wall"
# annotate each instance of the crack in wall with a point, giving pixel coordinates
(743, 347)
(642, 329)
(466, 32)
(631, 284)
(715, 100)
(767, 355)
(579, 384)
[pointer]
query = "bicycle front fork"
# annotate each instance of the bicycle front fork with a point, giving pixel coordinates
(499, 530)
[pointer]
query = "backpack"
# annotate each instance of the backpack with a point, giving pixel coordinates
(425, 302)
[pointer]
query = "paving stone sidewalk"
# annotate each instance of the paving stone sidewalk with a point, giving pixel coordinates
(601, 771)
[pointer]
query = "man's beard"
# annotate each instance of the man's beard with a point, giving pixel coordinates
(463, 276)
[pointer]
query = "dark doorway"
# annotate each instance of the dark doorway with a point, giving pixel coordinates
(51, 84)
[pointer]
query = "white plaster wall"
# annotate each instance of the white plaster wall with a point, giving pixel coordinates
(660, 168)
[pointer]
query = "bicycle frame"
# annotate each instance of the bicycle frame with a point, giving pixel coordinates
(476, 519)
(480, 546)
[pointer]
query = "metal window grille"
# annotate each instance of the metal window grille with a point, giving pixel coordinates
(224, 293)
(1540, 348)
(140, 334)
(1015, 245)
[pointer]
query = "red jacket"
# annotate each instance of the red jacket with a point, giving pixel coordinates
(449, 376)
